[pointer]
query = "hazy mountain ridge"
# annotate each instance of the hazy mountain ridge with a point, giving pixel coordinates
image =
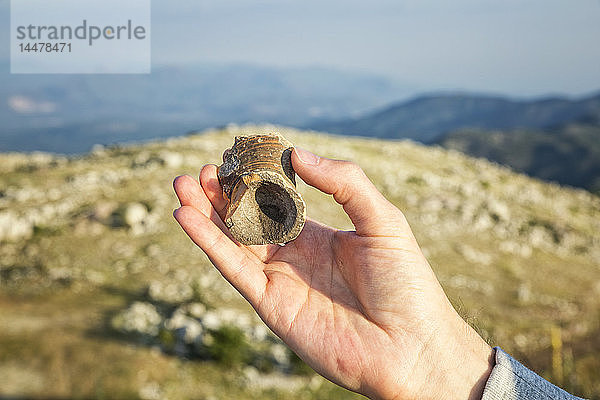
(569, 154)
(555, 139)
(94, 271)
(427, 118)
(70, 113)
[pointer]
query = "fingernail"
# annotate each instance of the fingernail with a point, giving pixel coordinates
(176, 179)
(175, 211)
(306, 156)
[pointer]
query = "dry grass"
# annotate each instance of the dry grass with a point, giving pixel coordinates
(515, 255)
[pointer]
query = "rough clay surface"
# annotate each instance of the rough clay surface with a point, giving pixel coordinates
(259, 184)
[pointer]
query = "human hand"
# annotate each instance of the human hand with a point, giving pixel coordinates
(363, 308)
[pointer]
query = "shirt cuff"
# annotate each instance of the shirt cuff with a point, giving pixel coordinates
(511, 380)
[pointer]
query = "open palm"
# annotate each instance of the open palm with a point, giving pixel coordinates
(363, 307)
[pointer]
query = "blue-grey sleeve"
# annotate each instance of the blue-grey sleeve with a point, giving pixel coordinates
(511, 380)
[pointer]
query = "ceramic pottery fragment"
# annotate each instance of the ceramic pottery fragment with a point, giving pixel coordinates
(258, 182)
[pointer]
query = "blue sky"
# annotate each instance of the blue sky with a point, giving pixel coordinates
(514, 47)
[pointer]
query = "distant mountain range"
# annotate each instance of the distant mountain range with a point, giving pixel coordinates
(555, 139)
(428, 118)
(568, 154)
(70, 113)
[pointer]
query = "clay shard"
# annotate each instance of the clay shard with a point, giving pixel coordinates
(258, 182)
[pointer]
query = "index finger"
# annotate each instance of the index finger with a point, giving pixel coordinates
(245, 274)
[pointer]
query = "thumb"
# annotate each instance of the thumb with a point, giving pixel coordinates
(369, 211)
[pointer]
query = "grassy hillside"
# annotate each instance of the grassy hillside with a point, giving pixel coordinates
(103, 296)
(569, 155)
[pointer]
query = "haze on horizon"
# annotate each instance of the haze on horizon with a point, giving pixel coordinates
(509, 47)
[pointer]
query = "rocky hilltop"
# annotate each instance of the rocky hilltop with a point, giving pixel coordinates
(103, 295)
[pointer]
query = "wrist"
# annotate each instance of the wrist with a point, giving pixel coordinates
(454, 364)
(459, 365)
(470, 367)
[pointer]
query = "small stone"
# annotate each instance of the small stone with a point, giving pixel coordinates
(196, 310)
(103, 210)
(171, 159)
(211, 320)
(135, 213)
(14, 227)
(280, 354)
(140, 318)
(186, 328)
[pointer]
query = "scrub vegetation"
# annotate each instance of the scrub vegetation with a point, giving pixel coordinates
(103, 296)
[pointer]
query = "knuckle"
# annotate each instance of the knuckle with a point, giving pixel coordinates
(344, 193)
(352, 170)
(352, 178)
(352, 166)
